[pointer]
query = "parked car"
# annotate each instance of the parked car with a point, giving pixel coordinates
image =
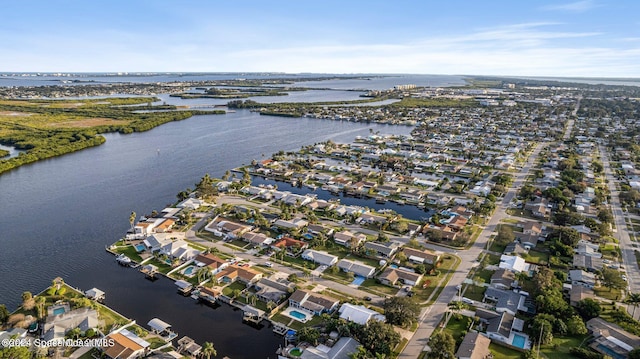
(368, 299)
(268, 264)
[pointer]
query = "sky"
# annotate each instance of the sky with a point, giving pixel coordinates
(584, 38)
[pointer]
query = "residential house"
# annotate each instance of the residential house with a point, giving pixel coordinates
(359, 314)
(226, 228)
(273, 289)
(578, 293)
(514, 264)
(125, 345)
(156, 241)
(320, 257)
(165, 225)
(234, 273)
(474, 346)
(342, 349)
(214, 263)
(503, 279)
(610, 339)
(291, 224)
(500, 325)
(383, 250)
(316, 229)
(390, 276)
(509, 301)
(588, 263)
(290, 245)
(421, 256)
(348, 239)
(313, 302)
(587, 248)
(179, 250)
(539, 207)
(257, 238)
(370, 218)
(57, 325)
(356, 267)
(580, 277)
(190, 203)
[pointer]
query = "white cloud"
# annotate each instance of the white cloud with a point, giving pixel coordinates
(578, 6)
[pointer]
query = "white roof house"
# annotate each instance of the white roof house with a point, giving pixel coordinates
(359, 314)
(513, 263)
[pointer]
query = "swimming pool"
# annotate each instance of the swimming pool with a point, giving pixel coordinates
(296, 314)
(358, 280)
(58, 311)
(188, 271)
(519, 341)
(140, 247)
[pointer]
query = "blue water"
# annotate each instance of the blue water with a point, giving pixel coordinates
(610, 352)
(518, 341)
(188, 271)
(296, 314)
(358, 280)
(393, 266)
(307, 236)
(140, 247)
(58, 311)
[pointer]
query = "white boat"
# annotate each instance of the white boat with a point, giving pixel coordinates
(123, 260)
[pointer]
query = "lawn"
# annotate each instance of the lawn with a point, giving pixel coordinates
(449, 265)
(500, 352)
(372, 284)
(483, 274)
(492, 259)
(228, 290)
(537, 257)
(497, 248)
(458, 327)
(611, 294)
(559, 347)
(130, 252)
(163, 267)
(475, 293)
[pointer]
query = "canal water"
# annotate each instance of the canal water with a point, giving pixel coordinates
(57, 215)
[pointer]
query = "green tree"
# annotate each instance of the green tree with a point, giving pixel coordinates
(505, 235)
(132, 219)
(401, 311)
(612, 279)
(575, 325)
(309, 335)
(378, 337)
(542, 330)
(633, 299)
(208, 350)
(442, 346)
(28, 302)
(634, 354)
(16, 352)
(4, 313)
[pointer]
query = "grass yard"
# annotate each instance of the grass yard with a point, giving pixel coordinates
(130, 252)
(537, 257)
(611, 294)
(458, 326)
(484, 275)
(559, 347)
(500, 352)
(475, 293)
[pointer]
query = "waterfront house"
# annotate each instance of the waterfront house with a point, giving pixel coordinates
(421, 256)
(474, 346)
(383, 250)
(213, 262)
(356, 267)
(313, 302)
(165, 225)
(190, 203)
(125, 345)
(179, 250)
(391, 276)
(233, 273)
(359, 314)
(156, 241)
(57, 325)
(273, 289)
(320, 257)
(610, 339)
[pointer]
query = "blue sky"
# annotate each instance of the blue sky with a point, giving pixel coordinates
(587, 38)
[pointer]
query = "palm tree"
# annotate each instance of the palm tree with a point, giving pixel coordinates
(634, 299)
(132, 219)
(202, 274)
(208, 350)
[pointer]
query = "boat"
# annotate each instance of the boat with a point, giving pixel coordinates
(381, 200)
(123, 260)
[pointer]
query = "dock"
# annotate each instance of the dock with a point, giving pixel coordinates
(149, 271)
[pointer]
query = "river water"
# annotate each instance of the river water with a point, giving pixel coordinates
(57, 215)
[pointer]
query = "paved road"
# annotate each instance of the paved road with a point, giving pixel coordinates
(432, 315)
(622, 233)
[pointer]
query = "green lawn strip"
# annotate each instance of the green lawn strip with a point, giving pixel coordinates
(458, 326)
(235, 248)
(110, 317)
(500, 352)
(497, 248)
(559, 347)
(372, 284)
(484, 274)
(208, 236)
(475, 292)
(130, 252)
(228, 290)
(611, 294)
(155, 342)
(536, 257)
(163, 267)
